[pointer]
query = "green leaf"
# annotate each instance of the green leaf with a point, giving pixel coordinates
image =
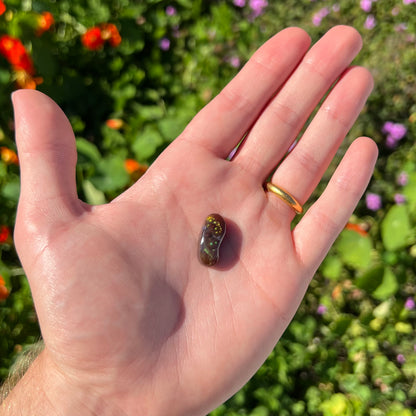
(409, 368)
(388, 286)
(383, 310)
(11, 190)
(331, 267)
(403, 328)
(87, 150)
(351, 384)
(171, 127)
(371, 279)
(341, 324)
(337, 405)
(354, 249)
(122, 95)
(112, 174)
(260, 411)
(92, 194)
(409, 191)
(146, 144)
(397, 409)
(396, 228)
(4, 76)
(151, 112)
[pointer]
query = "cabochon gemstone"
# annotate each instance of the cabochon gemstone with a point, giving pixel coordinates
(212, 234)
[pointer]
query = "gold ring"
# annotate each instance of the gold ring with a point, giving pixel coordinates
(285, 196)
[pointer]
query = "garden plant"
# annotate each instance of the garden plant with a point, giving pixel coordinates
(131, 74)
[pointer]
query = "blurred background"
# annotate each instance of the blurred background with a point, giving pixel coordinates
(131, 74)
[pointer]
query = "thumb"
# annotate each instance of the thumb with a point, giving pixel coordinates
(47, 157)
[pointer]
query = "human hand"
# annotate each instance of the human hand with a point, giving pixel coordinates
(132, 322)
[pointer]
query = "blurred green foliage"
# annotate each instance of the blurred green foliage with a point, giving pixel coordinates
(351, 348)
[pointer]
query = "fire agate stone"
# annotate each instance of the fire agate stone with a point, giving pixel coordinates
(213, 233)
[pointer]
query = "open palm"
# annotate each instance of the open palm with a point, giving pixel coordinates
(128, 313)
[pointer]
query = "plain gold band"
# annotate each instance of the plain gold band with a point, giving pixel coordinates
(285, 196)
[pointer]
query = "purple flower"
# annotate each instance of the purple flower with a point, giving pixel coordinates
(316, 20)
(239, 3)
(409, 304)
(292, 146)
(399, 199)
(373, 201)
(257, 7)
(401, 27)
(164, 44)
(322, 309)
(403, 179)
(409, 1)
(232, 153)
(370, 22)
(234, 61)
(366, 5)
(395, 132)
(398, 131)
(170, 11)
(391, 143)
(400, 359)
(388, 126)
(318, 16)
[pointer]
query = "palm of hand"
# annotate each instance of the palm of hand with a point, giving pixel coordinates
(123, 302)
(133, 290)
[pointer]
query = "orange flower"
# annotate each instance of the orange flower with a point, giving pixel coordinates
(2, 7)
(111, 34)
(92, 39)
(45, 21)
(114, 123)
(357, 228)
(8, 156)
(337, 292)
(4, 293)
(132, 166)
(4, 234)
(25, 80)
(15, 52)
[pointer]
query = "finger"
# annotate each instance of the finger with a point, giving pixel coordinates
(223, 122)
(286, 114)
(322, 223)
(303, 168)
(47, 154)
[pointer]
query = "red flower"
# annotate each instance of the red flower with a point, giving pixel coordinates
(357, 228)
(114, 123)
(4, 233)
(133, 167)
(95, 37)
(111, 34)
(92, 38)
(45, 21)
(4, 293)
(15, 52)
(2, 7)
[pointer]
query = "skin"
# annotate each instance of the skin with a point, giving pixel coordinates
(133, 324)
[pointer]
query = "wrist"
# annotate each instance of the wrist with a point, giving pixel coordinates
(44, 390)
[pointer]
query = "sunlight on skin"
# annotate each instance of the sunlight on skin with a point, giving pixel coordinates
(133, 323)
